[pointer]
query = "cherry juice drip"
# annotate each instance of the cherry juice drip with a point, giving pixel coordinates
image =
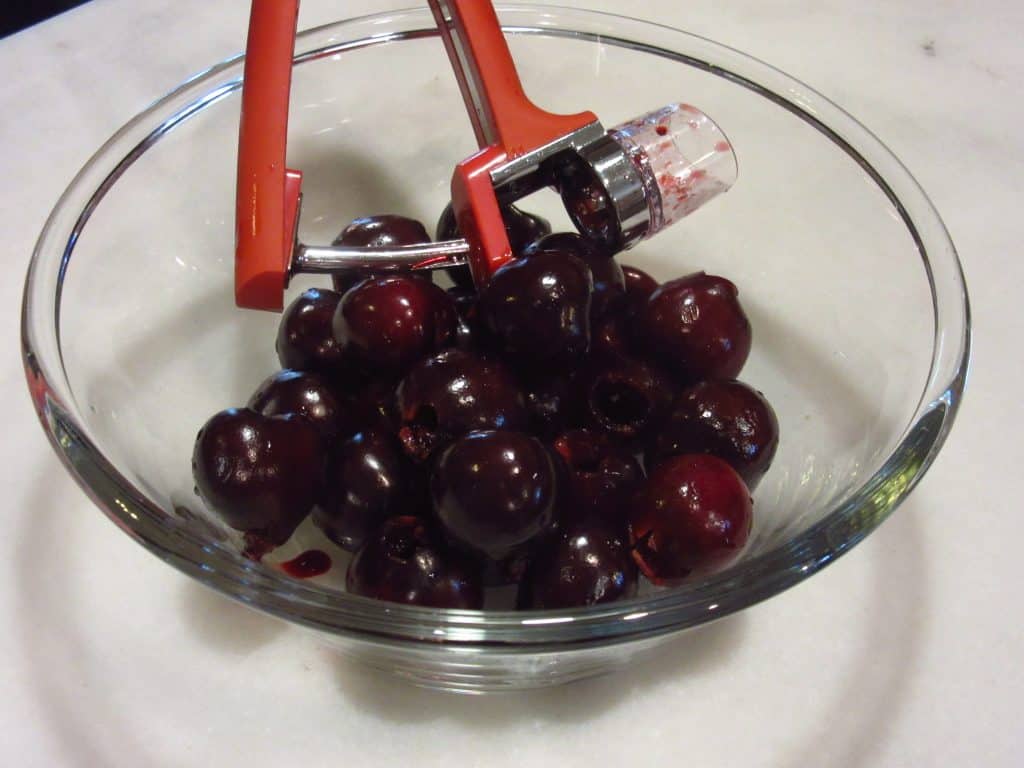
(310, 563)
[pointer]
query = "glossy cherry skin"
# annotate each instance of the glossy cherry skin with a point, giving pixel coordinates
(521, 228)
(612, 338)
(696, 328)
(600, 477)
(384, 231)
(494, 491)
(470, 335)
(587, 565)
(347, 279)
(447, 227)
(639, 285)
(611, 341)
(692, 514)
(260, 474)
(453, 393)
(373, 406)
(511, 568)
(391, 322)
(722, 417)
(624, 399)
(609, 282)
(551, 399)
(308, 395)
(539, 310)
(305, 337)
(406, 561)
(368, 479)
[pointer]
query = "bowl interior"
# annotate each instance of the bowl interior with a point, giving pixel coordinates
(833, 279)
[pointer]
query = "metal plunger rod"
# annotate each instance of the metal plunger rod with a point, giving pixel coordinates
(326, 259)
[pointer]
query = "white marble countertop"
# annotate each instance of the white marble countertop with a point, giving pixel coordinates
(906, 652)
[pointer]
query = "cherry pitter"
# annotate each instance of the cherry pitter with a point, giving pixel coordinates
(619, 186)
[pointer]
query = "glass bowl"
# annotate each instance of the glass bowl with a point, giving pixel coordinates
(859, 309)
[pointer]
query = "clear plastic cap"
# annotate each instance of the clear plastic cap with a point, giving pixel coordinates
(683, 159)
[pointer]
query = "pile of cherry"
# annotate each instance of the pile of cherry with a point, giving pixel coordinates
(456, 441)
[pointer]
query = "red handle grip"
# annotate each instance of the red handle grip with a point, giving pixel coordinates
(267, 195)
(506, 123)
(501, 113)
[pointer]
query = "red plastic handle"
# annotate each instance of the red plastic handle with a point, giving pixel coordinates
(507, 124)
(501, 112)
(267, 195)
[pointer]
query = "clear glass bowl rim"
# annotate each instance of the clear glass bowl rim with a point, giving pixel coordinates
(717, 595)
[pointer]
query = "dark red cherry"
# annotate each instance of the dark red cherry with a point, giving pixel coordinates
(391, 322)
(453, 393)
(609, 283)
(611, 341)
(609, 286)
(470, 335)
(551, 400)
(522, 228)
(692, 514)
(305, 338)
(384, 231)
(587, 565)
(510, 568)
(465, 302)
(599, 479)
(447, 227)
(494, 491)
(639, 286)
(624, 399)
(347, 279)
(539, 310)
(368, 479)
(406, 561)
(696, 328)
(611, 337)
(260, 474)
(374, 404)
(308, 395)
(724, 418)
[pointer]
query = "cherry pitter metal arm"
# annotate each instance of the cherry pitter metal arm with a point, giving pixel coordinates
(619, 186)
